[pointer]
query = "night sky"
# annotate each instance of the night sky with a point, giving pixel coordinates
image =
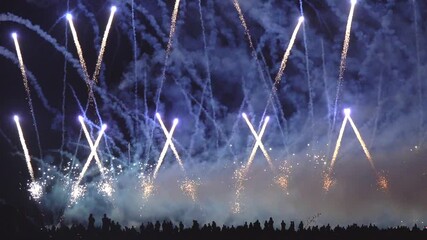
(207, 80)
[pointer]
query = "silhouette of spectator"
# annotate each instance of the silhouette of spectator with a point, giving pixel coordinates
(91, 223)
(106, 223)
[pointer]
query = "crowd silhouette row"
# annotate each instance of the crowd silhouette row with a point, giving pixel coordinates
(109, 229)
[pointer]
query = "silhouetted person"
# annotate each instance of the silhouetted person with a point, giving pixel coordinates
(91, 223)
(105, 223)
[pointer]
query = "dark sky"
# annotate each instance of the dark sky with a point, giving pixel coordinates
(209, 78)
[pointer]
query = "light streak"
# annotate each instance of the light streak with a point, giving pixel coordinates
(93, 149)
(287, 53)
(92, 153)
(173, 27)
(24, 148)
(344, 58)
(245, 26)
(338, 144)
(258, 142)
(362, 143)
(167, 144)
(79, 50)
(103, 44)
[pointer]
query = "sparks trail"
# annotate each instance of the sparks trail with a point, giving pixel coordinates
(167, 53)
(343, 60)
(168, 50)
(240, 174)
(338, 144)
(103, 44)
(245, 26)
(93, 152)
(283, 63)
(362, 143)
(255, 57)
(258, 142)
(25, 149)
(27, 90)
(328, 181)
(79, 52)
(169, 135)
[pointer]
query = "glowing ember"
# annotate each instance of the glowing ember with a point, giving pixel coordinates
(106, 189)
(382, 182)
(76, 193)
(189, 187)
(328, 182)
(36, 190)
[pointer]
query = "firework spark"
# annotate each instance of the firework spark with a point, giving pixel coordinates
(79, 50)
(77, 192)
(362, 143)
(189, 187)
(92, 147)
(344, 58)
(167, 144)
(258, 142)
(245, 26)
(282, 178)
(36, 190)
(103, 44)
(287, 53)
(338, 144)
(26, 86)
(328, 181)
(382, 182)
(106, 188)
(92, 153)
(24, 148)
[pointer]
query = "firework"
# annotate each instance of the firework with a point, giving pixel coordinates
(106, 188)
(24, 148)
(92, 153)
(344, 57)
(282, 179)
(328, 181)
(287, 53)
(189, 187)
(36, 190)
(258, 142)
(147, 187)
(338, 144)
(103, 44)
(167, 144)
(382, 182)
(362, 143)
(92, 147)
(79, 49)
(27, 87)
(245, 26)
(173, 26)
(77, 192)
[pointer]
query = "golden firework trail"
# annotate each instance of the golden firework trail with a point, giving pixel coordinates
(24, 148)
(93, 153)
(103, 44)
(258, 142)
(287, 53)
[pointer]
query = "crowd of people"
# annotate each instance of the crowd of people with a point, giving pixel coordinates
(109, 229)
(16, 225)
